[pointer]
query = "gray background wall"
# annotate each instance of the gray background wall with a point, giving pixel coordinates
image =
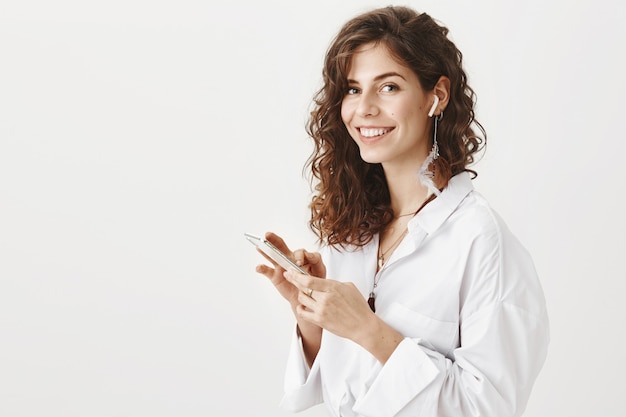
(140, 139)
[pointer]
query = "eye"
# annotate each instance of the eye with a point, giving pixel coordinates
(388, 88)
(352, 90)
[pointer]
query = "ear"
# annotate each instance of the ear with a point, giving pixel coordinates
(442, 90)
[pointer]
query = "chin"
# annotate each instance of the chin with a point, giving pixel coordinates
(371, 157)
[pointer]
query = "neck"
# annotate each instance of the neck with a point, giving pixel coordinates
(405, 190)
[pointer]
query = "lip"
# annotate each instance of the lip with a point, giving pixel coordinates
(372, 139)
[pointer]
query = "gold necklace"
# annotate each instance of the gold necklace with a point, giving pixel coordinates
(381, 256)
(405, 214)
(381, 264)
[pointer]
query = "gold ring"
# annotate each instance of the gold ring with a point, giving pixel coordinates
(310, 292)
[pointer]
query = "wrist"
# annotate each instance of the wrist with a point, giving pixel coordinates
(306, 329)
(310, 337)
(380, 339)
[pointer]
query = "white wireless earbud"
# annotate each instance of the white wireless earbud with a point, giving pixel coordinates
(432, 109)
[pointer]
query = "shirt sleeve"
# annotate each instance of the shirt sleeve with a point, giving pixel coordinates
(303, 387)
(302, 384)
(504, 336)
(491, 375)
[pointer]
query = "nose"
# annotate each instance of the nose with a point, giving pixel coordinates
(368, 105)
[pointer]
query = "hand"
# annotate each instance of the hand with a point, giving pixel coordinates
(309, 261)
(312, 264)
(335, 306)
(340, 308)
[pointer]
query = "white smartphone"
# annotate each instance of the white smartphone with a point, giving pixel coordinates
(274, 253)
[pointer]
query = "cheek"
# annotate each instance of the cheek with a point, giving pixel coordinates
(348, 109)
(411, 113)
(404, 109)
(345, 113)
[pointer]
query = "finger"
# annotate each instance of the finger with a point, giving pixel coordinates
(307, 314)
(312, 258)
(309, 301)
(291, 276)
(278, 242)
(275, 276)
(300, 258)
(265, 270)
(306, 282)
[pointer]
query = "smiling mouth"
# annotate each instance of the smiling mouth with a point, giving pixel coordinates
(368, 132)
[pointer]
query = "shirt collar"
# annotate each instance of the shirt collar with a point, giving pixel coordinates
(437, 211)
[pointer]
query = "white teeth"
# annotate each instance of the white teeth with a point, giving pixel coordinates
(369, 133)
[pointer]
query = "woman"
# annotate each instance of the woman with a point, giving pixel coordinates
(422, 302)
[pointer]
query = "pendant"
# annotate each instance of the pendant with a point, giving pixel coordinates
(381, 262)
(370, 301)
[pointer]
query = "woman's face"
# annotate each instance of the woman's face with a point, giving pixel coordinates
(386, 110)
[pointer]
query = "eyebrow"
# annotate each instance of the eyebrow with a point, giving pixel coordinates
(380, 77)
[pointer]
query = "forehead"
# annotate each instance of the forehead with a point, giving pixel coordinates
(372, 59)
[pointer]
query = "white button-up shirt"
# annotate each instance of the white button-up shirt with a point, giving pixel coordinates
(464, 293)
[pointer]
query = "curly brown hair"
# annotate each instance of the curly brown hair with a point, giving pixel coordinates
(351, 200)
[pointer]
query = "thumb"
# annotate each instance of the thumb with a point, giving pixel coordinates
(313, 258)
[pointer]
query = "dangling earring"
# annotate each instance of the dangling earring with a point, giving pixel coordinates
(427, 170)
(435, 150)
